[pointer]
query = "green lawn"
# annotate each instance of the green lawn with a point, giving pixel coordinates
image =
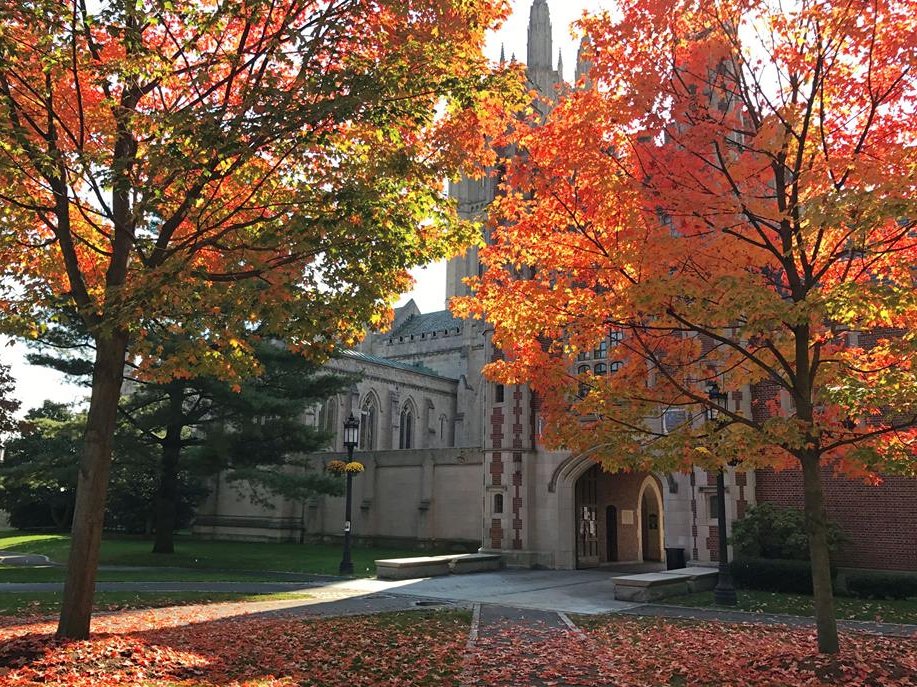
(847, 608)
(18, 573)
(199, 554)
(43, 603)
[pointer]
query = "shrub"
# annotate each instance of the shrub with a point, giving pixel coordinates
(773, 575)
(769, 531)
(881, 585)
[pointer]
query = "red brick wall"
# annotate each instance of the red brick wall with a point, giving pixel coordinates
(880, 522)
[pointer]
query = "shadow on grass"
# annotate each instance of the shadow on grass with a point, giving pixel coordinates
(223, 644)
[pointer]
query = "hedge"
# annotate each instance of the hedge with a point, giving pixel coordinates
(774, 575)
(882, 585)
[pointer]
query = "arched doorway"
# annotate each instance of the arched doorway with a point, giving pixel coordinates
(650, 521)
(616, 517)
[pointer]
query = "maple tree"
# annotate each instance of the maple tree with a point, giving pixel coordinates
(205, 167)
(730, 197)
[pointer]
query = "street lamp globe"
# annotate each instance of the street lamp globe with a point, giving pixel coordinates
(351, 432)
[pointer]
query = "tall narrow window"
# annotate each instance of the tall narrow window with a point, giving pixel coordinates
(369, 414)
(406, 432)
(498, 393)
(327, 419)
(583, 387)
(601, 351)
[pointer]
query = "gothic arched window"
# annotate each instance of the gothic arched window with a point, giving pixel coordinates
(406, 432)
(369, 413)
(328, 419)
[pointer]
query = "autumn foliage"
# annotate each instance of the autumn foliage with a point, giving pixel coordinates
(729, 198)
(191, 171)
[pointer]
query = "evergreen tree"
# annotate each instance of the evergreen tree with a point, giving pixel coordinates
(253, 432)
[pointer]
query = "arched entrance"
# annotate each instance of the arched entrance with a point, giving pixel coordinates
(616, 517)
(651, 535)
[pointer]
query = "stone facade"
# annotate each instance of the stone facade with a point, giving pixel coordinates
(454, 460)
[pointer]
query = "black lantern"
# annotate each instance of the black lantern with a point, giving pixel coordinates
(351, 439)
(725, 592)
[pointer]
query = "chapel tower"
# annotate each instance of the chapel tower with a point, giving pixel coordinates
(473, 196)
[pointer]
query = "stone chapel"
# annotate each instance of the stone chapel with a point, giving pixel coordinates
(453, 461)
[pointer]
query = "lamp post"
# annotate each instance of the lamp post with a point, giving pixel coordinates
(351, 438)
(725, 592)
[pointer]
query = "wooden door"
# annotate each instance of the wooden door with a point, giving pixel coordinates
(587, 537)
(611, 533)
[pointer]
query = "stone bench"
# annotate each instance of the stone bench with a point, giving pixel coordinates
(699, 579)
(475, 562)
(433, 566)
(653, 586)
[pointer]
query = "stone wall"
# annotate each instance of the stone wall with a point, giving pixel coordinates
(422, 497)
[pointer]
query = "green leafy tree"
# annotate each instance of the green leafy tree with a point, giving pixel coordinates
(8, 403)
(39, 475)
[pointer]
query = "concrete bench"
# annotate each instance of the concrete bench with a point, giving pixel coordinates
(432, 566)
(475, 562)
(409, 568)
(699, 579)
(653, 586)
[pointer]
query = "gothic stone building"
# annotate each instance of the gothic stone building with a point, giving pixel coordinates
(453, 460)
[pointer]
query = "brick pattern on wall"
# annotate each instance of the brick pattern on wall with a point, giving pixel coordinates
(496, 470)
(517, 468)
(880, 521)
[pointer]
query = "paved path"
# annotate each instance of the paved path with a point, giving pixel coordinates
(553, 592)
(27, 559)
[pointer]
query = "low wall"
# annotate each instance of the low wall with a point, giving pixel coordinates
(428, 498)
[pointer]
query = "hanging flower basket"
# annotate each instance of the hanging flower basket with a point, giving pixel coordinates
(340, 467)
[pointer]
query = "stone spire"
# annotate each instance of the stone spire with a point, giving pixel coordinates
(583, 64)
(539, 45)
(560, 65)
(502, 55)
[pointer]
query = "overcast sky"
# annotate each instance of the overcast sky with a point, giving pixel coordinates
(35, 384)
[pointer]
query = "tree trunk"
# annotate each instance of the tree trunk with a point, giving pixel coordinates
(92, 484)
(817, 529)
(167, 495)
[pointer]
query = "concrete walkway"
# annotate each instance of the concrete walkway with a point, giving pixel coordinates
(553, 592)
(25, 559)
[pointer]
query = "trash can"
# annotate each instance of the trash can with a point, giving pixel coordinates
(674, 558)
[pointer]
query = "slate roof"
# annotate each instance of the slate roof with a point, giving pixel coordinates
(376, 360)
(427, 322)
